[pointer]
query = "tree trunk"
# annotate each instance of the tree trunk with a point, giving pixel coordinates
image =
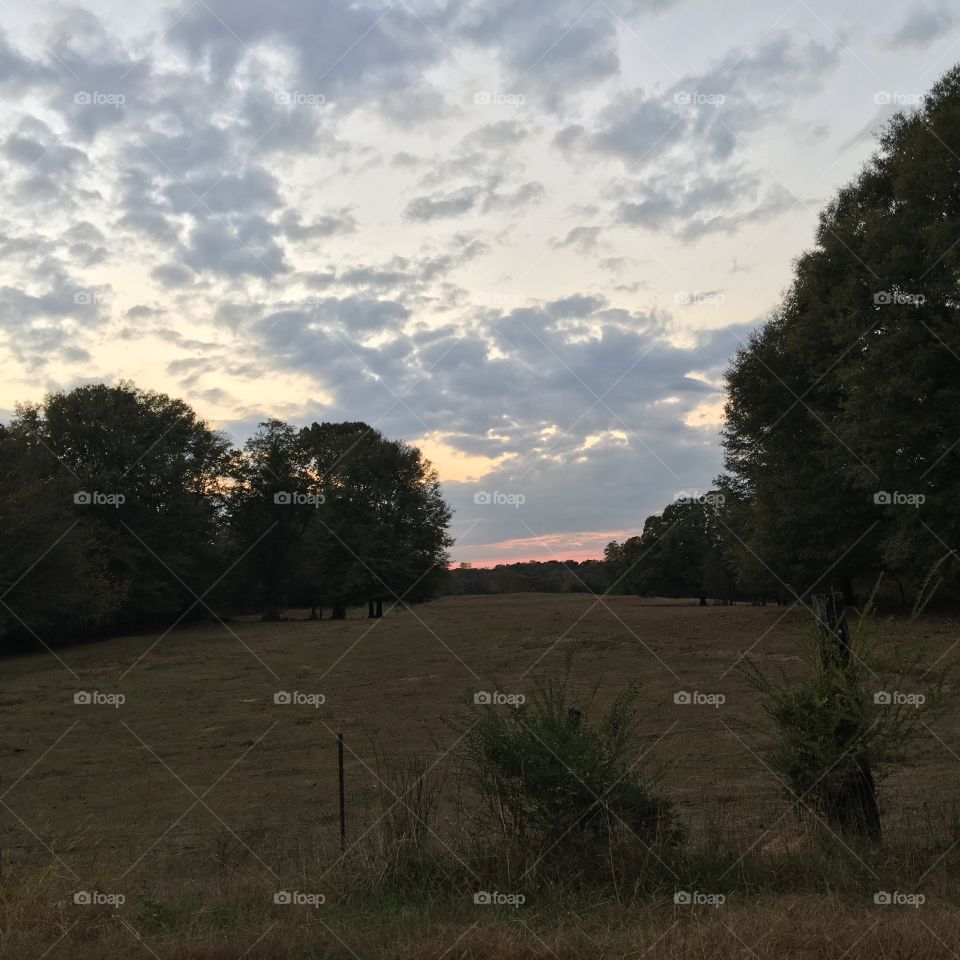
(703, 601)
(379, 609)
(339, 612)
(846, 587)
(370, 613)
(851, 805)
(313, 612)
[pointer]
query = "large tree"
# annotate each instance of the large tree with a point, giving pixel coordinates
(682, 552)
(145, 475)
(851, 391)
(270, 504)
(383, 526)
(54, 576)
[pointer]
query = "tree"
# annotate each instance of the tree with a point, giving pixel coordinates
(270, 507)
(384, 517)
(849, 394)
(54, 577)
(146, 477)
(682, 552)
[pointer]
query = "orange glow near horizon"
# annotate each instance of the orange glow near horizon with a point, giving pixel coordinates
(587, 545)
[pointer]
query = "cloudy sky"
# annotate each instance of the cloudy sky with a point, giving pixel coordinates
(526, 235)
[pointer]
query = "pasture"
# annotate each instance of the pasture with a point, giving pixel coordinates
(200, 781)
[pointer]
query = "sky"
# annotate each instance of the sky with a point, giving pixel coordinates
(525, 236)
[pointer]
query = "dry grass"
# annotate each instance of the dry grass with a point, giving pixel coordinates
(200, 797)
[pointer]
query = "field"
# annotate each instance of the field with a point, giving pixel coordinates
(199, 797)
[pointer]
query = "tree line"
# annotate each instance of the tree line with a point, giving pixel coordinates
(531, 576)
(120, 508)
(842, 419)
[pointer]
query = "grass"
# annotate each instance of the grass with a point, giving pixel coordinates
(199, 797)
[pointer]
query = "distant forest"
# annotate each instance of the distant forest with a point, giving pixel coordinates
(548, 576)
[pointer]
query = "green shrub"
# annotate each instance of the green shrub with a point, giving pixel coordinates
(848, 722)
(555, 781)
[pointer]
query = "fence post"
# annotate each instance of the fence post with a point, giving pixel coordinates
(343, 822)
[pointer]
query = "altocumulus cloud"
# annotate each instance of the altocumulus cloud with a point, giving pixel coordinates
(466, 222)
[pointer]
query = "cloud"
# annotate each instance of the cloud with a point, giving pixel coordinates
(581, 239)
(922, 26)
(344, 52)
(694, 205)
(442, 206)
(245, 247)
(328, 225)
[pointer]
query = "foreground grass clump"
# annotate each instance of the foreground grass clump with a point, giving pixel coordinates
(570, 790)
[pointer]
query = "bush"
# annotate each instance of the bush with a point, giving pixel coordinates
(554, 780)
(847, 724)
